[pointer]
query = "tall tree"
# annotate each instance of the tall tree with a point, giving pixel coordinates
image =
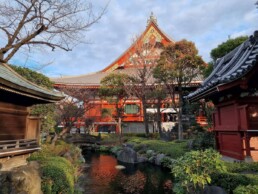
(157, 96)
(221, 50)
(54, 24)
(45, 111)
(225, 47)
(74, 107)
(143, 59)
(113, 90)
(179, 64)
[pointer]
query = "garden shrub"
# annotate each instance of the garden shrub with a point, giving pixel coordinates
(140, 148)
(204, 140)
(172, 148)
(193, 170)
(115, 149)
(229, 181)
(167, 161)
(242, 167)
(103, 148)
(249, 189)
(59, 173)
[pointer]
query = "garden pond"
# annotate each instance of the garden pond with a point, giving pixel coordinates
(103, 174)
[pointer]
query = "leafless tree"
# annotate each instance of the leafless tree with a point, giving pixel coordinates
(74, 107)
(143, 58)
(49, 23)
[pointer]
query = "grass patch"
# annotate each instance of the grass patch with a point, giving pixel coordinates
(174, 149)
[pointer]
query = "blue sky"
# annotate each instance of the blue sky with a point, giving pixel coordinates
(205, 22)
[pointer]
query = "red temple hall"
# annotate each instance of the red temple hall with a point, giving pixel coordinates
(233, 88)
(133, 111)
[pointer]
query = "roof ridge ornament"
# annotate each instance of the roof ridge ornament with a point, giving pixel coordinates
(254, 38)
(256, 34)
(152, 18)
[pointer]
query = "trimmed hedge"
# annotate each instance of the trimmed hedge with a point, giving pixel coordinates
(229, 181)
(58, 173)
(57, 176)
(249, 189)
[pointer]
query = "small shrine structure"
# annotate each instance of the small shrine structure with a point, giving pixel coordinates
(233, 88)
(19, 132)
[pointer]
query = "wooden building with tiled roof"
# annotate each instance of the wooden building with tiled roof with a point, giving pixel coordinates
(133, 116)
(233, 88)
(19, 132)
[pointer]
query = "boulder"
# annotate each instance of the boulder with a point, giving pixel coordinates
(22, 180)
(159, 158)
(141, 159)
(127, 155)
(213, 190)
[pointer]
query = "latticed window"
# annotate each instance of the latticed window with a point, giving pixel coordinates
(131, 109)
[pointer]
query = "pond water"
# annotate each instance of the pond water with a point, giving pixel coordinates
(101, 176)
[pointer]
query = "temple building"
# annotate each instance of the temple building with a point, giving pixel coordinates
(19, 131)
(133, 111)
(233, 88)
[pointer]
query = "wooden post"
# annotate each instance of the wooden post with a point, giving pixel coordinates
(248, 157)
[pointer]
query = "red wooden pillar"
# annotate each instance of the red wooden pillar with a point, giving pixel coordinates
(247, 138)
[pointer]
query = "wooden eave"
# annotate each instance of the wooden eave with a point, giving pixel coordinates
(35, 91)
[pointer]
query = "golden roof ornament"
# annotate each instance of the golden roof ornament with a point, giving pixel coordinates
(152, 19)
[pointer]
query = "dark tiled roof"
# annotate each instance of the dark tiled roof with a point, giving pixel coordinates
(229, 68)
(13, 82)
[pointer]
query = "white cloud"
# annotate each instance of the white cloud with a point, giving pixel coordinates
(207, 23)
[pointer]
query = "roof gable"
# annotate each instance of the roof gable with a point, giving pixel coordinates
(230, 68)
(151, 33)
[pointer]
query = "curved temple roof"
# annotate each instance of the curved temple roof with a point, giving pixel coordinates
(12, 82)
(229, 68)
(93, 79)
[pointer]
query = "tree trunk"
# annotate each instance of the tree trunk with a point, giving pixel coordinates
(120, 129)
(179, 114)
(1, 57)
(159, 116)
(145, 117)
(53, 142)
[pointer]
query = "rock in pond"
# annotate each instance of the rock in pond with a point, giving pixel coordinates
(127, 155)
(159, 158)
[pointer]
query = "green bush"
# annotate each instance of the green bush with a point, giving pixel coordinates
(242, 167)
(172, 148)
(204, 140)
(249, 189)
(229, 181)
(167, 162)
(60, 173)
(103, 148)
(193, 170)
(115, 149)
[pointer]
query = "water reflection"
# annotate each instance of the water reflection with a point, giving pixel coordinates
(102, 177)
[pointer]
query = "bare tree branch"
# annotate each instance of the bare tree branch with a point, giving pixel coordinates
(55, 24)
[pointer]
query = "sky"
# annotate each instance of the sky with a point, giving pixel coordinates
(207, 23)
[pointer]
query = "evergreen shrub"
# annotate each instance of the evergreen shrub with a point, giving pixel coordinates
(249, 189)
(193, 170)
(204, 140)
(229, 181)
